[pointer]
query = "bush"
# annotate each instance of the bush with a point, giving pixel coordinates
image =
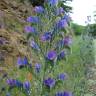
(78, 29)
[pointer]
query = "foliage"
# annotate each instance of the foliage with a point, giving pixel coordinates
(93, 29)
(78, 29)
(67, 8)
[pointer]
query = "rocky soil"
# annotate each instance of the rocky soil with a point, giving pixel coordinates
(12, 40)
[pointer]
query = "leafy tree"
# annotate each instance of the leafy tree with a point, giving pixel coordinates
(78, 29)
(63, 4)
(93, 29)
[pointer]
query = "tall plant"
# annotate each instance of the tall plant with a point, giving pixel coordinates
(49, 41)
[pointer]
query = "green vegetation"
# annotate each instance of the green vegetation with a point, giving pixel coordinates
(80, 55)
(78, 29)
(93, 30)
(75, 65)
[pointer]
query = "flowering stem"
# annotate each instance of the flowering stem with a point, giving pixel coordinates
(43, 77)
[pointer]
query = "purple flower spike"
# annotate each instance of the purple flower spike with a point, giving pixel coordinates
(62, 24)
(67, 18)
(29, 29)
(39, 9)
(25, 61)
(59, 94)
(33, 19)
(67, 41)
(11, 82)
(60, 11)
(19, 61)
(26, 85)
(18, 83)
(52, 2)
(51, 55)
(66, 93)
(46, 36)
(49, 82)
(37, 67)
(62, 76)
(61, 55)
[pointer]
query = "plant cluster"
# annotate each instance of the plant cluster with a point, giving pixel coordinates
(49, 40)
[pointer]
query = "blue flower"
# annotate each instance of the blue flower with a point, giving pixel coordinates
(67, 41)
(46, 36)
(20, 62)
(52, 2)
(51, 55)
(27, 85)
(59, 94)
(67, 18)
(33, 19)
(25, 61)
(49, 82)
(65, 93)
(37, 67)
(18, 83)
(61, 55)
(61, 24)
(60, 11)
(11, 82)
(29, 29)
(39, 9)
(34, 45)
(62, 76)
